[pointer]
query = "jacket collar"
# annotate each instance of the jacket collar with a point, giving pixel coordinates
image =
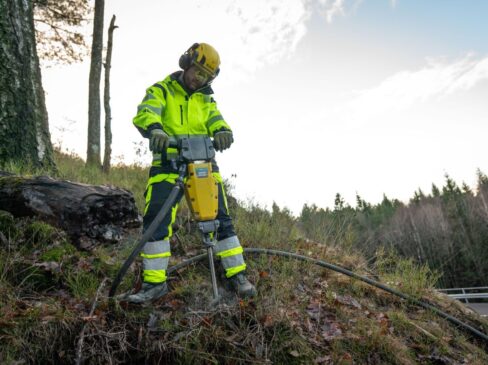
(176, 77)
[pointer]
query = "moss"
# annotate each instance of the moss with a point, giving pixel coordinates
(57, 253)
(40, 234)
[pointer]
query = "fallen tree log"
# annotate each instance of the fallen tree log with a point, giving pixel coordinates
(88, 213)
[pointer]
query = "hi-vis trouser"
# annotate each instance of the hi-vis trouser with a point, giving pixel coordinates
(156, 251)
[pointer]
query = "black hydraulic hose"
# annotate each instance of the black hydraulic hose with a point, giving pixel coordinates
(349, 273)
(147, 235)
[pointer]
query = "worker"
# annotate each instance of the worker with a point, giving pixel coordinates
(182, 105)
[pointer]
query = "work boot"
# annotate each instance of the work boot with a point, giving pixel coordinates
(148, 292)
(242, 286)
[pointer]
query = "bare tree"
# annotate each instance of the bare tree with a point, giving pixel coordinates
(93, 147)
(106, 98)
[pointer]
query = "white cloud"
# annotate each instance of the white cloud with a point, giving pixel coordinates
(406, 88)
(331, 9)
(259, 33)
(265, 31)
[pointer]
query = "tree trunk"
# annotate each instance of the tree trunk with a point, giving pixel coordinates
(88, 213)
(106, 99)
(24, 127)
(93, 148)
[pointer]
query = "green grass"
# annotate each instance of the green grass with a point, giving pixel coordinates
(82, 285)
(405, 274)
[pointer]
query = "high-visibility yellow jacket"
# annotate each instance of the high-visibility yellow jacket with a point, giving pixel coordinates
(171, 107)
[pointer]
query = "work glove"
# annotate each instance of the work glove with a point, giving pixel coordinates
(223, 140)
(158, 141)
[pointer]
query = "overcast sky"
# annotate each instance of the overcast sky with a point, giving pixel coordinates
(370, 97)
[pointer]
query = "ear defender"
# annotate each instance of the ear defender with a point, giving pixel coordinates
(188, 57)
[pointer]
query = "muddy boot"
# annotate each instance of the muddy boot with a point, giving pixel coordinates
(148, 292)
(242, 286)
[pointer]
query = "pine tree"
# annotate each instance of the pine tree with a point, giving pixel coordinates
(339, 202)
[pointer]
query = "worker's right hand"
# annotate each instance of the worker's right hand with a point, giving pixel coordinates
(158, 141)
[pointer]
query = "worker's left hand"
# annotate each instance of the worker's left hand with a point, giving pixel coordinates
(223, 140)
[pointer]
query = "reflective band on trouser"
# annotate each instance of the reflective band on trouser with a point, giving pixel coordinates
(173, 219)
(227, 244)
(155, 261)
(148, 198)
(220, 181)
(229, 251)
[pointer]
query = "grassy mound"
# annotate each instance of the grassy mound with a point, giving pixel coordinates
(302, 315)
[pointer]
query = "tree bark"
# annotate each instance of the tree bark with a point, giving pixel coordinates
(93, 148)
(106, 99)
(24, 127)
(88, 213)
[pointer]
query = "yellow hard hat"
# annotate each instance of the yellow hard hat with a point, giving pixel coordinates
(204, 56)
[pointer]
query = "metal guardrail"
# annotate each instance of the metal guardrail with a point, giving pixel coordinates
(465, 294)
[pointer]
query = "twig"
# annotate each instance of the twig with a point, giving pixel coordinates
(82, 333)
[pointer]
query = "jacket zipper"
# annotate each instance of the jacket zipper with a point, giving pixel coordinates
(181, 114)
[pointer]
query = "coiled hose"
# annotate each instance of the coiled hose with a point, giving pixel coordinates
(265, 251)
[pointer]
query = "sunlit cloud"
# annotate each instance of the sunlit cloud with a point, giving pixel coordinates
(331, 9)
(436, 80)
(265, 31)
(261, 32)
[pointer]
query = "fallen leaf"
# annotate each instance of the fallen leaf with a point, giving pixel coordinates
(267, 321)
(232, 337)
(347, 357)
(319, 282)
(174, 304)
(347, 300)
(88, 318)
(207, 321)
(294, 353)
(313, 310)
(322, 359)
(331, 330)
(153, 319)
(84, 264)
(51, 266)
(47, 319)
(263, 274)
(384, 323)
(308, 325)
